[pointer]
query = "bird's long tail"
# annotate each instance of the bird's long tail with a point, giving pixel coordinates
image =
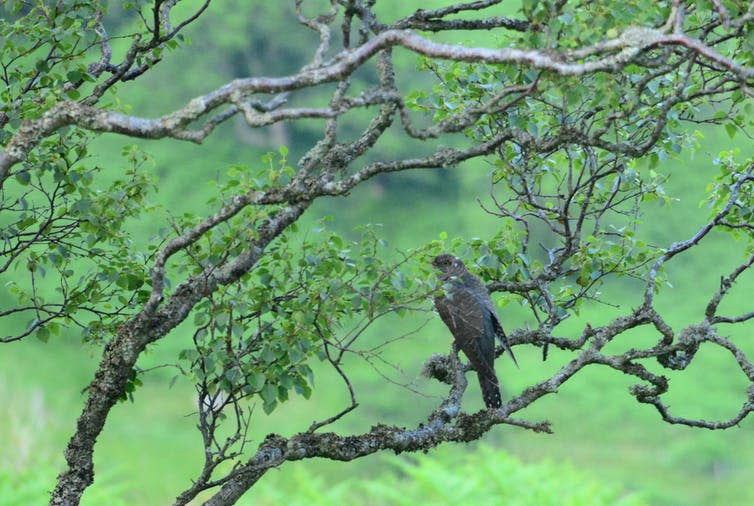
(504, 339)
(507, 346)
(490, 390)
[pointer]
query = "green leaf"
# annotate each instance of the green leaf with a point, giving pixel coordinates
(43, 334)
(267, 355)
(269, 396)
(255, 380)
(74, 76)
(23, 177)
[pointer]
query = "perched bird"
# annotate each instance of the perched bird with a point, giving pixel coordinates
(467, 310)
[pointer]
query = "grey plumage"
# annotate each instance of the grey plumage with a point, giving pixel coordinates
(468, 312)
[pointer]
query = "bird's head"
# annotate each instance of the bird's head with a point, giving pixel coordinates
(448, 265)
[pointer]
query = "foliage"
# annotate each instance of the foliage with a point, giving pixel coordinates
(425, 479)
(311, 297)
(30, 487)
(577, 110)
(485, 476)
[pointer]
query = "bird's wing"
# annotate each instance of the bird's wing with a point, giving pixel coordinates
(480, 292)
(461, 312)
(500, 333)
(471, 328)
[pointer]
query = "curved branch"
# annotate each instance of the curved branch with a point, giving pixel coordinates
(619, 51)
(120, 354)
(679, 247)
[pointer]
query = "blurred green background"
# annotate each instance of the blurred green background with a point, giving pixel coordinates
(606, 449)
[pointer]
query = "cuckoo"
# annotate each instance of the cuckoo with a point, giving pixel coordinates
(467, 310)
